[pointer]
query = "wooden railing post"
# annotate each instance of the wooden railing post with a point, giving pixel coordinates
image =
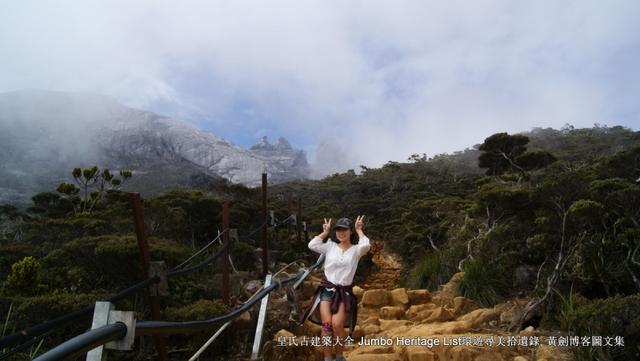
(145, 261)
(225, 256)
(289, 224)
(265, 242)
(299, 220)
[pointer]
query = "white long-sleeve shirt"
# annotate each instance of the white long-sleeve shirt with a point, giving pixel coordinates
(340, 266)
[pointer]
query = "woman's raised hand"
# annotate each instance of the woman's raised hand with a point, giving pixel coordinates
(359, 223)
(326, 227)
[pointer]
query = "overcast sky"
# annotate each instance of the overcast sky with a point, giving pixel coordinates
(350, 82)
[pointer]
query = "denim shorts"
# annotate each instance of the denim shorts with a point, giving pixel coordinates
(326, 295)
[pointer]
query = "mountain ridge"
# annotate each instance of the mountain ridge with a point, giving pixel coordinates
(45, 134)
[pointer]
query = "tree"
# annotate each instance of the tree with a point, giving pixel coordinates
(504, 153)
(418, 158)
(93, 183)
(536, 159)
(11, 221)
(24, 277)
(500, 152)
(50, 205)
(565, 232)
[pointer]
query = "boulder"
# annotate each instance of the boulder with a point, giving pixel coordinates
(372, 321)
(415, 310)
(480, 316)
(358, 332)
(279, 305)
(244, 321)
(400, 298)
(463, 305)
(551, 353)
(439, 314)
(463, 353)
(528, 331)
(391, 324)
(376, 350)
(511, 315)
(419, 354)
(371, 329)
(375, 298)
(252, 286)
(391, 313)
(417, 297)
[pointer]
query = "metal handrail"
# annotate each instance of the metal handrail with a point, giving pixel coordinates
(79, 344)
(37, 330)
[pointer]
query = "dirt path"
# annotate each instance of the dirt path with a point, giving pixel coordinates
(387, 272)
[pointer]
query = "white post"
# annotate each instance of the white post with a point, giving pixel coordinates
(100, 318)
(261, 317)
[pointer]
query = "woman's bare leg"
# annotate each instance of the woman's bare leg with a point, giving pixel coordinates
(338, 320)
(327, 326)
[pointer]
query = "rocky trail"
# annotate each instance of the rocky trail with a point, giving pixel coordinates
(397, 324)
(387, 270)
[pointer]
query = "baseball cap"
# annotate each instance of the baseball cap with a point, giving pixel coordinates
(343, 223)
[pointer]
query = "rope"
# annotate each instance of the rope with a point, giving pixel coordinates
(260, 227)
(233, 267)
(200, 251)
(215, 335)
(202, 264)
(254, 231)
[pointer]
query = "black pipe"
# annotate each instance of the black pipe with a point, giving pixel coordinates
(163, 327)
(85, 342)
(170, 328)
(83, 313)
(86, 312)
(91, 339)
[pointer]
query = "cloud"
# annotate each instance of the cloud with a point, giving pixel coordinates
(373, 81)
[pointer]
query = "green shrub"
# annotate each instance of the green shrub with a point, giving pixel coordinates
(11, 253)
(483, 282)
(24, 277)
(614, 316)
(107, 261)
(33, 310)
(189, 288)
(427, 273)
(199, 310)
(244, 257)
(567, 318)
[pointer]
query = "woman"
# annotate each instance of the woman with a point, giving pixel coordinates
(334, 295)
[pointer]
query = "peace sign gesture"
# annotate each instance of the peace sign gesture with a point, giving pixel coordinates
(359, 223)
(326, 227)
